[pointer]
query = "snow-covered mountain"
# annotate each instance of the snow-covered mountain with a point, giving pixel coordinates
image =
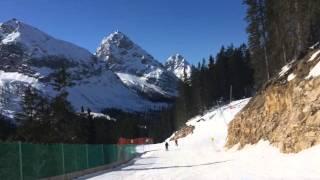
(30, 57)
(38, 44)
(179, 66)
(137, 68)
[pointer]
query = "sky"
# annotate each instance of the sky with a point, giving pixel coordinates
(193, 28)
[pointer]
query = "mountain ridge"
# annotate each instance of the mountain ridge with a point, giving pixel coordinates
(30, 57)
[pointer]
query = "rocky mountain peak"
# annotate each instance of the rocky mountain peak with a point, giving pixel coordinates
(178, 65)
(122, 54)
(177, 58)
(136, 67)
(118, 39)
(11, 24)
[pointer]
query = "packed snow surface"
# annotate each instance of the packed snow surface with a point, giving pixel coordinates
(202, 155)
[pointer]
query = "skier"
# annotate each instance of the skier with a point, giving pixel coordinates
(176, 142)
(167, 146)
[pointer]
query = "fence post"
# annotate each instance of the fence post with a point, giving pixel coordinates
(62, 151)
(20, 161)
(87, 156)
(103, 163)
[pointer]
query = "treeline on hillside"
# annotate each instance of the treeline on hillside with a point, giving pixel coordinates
(280, 31)
(216, 80)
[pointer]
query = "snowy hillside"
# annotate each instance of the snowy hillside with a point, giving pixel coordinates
(136, 68)
(30, 57)
(179, 66)
(202, 156)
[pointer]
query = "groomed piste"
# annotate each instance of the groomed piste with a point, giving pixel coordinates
(202, 155)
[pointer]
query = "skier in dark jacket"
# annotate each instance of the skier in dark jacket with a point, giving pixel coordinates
(167, 146)
(176, 142)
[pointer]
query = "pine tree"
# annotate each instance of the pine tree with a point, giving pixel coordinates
(279, 32)
(61, 80)
(5, 95)
(30, 102)
(33, 124)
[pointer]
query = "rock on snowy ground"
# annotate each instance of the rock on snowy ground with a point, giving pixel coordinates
(202, 155)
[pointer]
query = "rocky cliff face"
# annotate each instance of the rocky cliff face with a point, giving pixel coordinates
(286, 110)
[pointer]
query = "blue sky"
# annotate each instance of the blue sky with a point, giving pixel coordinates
(193, 28)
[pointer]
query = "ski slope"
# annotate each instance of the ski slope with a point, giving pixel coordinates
(202, 156)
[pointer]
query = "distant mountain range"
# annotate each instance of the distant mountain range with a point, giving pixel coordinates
(119, 75)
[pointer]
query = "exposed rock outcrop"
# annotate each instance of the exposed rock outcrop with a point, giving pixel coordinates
(183, 132)
(285, 112)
